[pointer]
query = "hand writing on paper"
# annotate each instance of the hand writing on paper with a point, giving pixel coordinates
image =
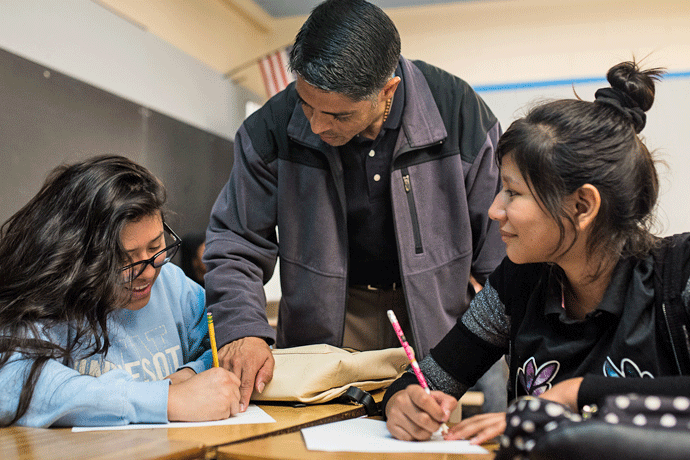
(251, 360)
(565, 393)
(414, 415)
(480, 428)
(180, 376)
(211, 395)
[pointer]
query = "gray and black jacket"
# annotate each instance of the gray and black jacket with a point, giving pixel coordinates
(444, 177)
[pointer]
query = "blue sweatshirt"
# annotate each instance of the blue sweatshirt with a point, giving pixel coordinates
(128, 385)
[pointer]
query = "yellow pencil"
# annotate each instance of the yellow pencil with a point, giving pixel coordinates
(212, 336)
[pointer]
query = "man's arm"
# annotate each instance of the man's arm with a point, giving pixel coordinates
(240, 255)
(481, 131)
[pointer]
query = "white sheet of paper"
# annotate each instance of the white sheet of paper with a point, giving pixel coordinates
(253, 414)
(366, 435)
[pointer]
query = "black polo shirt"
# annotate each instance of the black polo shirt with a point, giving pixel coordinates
(367, 173)
(618, 339)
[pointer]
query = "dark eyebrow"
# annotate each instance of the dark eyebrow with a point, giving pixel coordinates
(155, 239)
(333, 114)
(508, 178)
(301, 101)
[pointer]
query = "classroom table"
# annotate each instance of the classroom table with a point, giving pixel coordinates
(23, 443)
(164, 443)
(287, 417)
(278, 440)
(291, 447)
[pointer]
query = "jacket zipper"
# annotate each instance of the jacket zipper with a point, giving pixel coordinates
(407, 184)
(687, 339)
(673, 345)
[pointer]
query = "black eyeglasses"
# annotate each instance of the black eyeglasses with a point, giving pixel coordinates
(132, 271)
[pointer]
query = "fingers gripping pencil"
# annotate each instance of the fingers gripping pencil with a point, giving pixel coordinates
(410, 355)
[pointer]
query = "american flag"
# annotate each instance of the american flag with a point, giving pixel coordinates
(274, 71)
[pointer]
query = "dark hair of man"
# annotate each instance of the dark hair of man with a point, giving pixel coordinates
(349, 47)
(61, 259)
(562, 145)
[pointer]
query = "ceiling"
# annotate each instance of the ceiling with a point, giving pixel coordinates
(284, 8)
(231, 35)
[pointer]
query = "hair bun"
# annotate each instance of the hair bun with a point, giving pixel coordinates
(632, 91)
(625, 104)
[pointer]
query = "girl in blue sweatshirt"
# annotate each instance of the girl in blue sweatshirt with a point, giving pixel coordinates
(95, 327)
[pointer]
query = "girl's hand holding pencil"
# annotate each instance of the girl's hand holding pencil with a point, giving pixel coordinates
(419, 405)
(413, 414)
(211, 395)
(416, 413)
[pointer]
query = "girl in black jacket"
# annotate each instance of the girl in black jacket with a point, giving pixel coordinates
(572, 305)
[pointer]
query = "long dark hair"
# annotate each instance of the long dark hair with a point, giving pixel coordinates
(60, 260)
(562, 145)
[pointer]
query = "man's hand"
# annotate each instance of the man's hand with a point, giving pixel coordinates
(414, 415)
(251, 360)
(212, 395)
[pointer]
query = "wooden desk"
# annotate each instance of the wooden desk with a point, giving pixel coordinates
(60, 443)
(291, 447)
(287, 419)
(163, 443)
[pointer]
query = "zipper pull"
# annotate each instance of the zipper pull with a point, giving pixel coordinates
(407, 183)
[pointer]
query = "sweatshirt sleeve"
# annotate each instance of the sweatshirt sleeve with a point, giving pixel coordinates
(63, 397)
(199, 356)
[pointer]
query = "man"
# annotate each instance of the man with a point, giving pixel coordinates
(377, 173)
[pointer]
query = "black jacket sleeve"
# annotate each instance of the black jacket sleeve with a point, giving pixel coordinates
(594, 388)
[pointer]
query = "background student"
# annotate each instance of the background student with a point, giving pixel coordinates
(574, 297)
(95, 327)
(378, 173)
(191, 253)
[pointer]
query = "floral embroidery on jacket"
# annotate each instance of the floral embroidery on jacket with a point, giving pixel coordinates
(628, 369)
(535, 381)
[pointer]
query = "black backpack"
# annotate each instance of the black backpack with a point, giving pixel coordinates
(671, 273)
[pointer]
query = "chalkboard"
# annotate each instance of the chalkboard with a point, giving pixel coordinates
(48, 118)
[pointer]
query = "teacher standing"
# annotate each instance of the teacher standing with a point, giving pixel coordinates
(370, 177)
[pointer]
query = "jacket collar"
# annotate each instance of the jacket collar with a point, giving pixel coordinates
(421, 122)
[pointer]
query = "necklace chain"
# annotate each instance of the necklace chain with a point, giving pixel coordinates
(388, 109)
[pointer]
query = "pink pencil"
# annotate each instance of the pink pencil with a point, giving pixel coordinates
(410, 355)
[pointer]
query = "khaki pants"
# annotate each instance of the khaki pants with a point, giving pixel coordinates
(367, 326)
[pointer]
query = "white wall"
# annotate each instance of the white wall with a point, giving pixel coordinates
(85, 41)
(524, 40)
(665, 134)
